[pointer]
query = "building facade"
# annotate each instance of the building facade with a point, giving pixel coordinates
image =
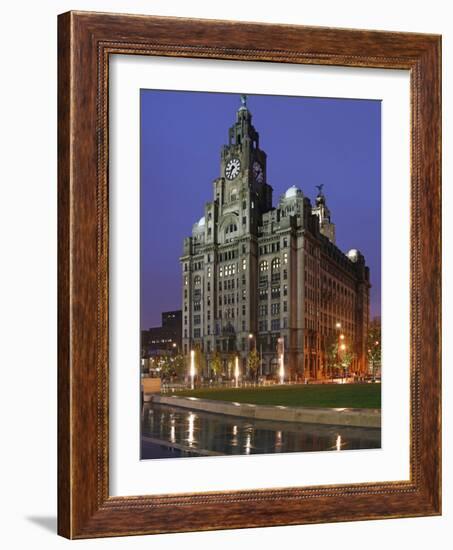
(255, 276)
(166, 339)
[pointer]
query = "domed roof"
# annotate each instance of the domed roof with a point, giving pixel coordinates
(202, 221)
(292, 192)
(353, 254)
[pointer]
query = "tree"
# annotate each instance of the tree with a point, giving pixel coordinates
(216, 364)
(374, 345)
(346, 359)
(332, 355)
(166, 367)
(179, 366)
(200, 360)
(170, 365)
(253, 362)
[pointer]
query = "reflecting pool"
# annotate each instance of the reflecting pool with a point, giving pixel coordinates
(174, 432)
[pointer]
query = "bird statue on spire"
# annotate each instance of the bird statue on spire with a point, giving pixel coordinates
(244, 101)
(319, 188)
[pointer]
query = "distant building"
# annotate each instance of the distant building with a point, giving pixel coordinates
(164, 339)
(254, 274)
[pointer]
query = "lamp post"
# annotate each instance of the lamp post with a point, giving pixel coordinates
(338, 328)
(281, 373)
(236, 371)
(192, 368)
(282, 370)
(252, 338)
(343, 349)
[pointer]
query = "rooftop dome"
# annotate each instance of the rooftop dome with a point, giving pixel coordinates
(293, 191)
(202, 221)
(353, 254)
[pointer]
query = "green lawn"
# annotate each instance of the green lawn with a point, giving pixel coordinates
(365, 396)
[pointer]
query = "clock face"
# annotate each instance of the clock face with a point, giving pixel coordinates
(258, 172)
(232, 168)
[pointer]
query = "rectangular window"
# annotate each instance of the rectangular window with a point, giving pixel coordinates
(275, 324)
(275, 309)
(196, 319)
(197, 333)
(285, 306)
(244, 220)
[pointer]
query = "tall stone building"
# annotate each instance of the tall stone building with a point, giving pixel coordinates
(256, 276)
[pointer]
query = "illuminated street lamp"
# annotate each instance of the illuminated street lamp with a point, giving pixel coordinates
(251, 337)
(341, 336)
(338, 325)
(192, 367)
(236, 371)
(282, 369)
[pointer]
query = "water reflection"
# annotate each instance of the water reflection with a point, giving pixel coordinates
(169, 431)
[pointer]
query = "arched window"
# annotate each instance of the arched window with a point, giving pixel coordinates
(264, 266)
(275, 264)
(197, 280)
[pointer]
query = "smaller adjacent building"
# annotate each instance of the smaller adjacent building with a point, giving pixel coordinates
(163, 340)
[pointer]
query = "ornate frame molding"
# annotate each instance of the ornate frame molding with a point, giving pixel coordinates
(86, 40)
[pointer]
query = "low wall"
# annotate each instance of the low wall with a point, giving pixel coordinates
(150, 386)
(365, 418)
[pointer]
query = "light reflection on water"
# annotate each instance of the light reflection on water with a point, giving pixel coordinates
(189, 433)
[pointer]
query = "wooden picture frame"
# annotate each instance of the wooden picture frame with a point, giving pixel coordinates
(85, 42)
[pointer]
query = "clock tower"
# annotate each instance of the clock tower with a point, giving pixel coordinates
(242, 185)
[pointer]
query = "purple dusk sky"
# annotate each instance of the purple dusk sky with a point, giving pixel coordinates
(308, 141)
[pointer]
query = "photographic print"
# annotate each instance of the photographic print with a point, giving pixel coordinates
(260, 274)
